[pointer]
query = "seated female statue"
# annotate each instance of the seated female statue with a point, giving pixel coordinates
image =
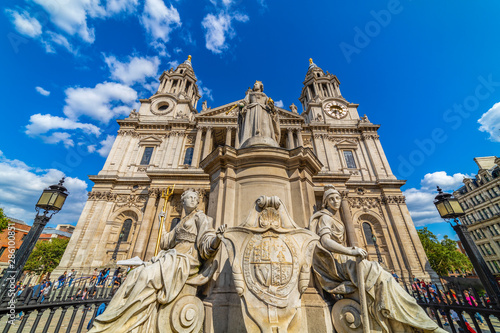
(142, 303)
(390, 307)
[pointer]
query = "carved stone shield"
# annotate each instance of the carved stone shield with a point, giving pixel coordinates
(270, 267)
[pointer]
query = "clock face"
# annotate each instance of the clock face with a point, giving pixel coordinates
(335, 110)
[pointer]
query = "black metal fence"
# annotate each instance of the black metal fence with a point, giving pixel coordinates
(70, 308)
(73, 308)
(450, 308)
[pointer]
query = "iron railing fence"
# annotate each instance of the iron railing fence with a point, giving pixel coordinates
(35, 311)
(441, 303)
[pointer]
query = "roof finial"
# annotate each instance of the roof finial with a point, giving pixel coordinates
(311, 64)
(189, 57)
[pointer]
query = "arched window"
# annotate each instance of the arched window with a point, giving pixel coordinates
(188, 157)
(367, 228)
(127, 225)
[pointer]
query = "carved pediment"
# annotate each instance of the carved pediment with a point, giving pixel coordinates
(347, 144)
(231, 110)
(151, 140)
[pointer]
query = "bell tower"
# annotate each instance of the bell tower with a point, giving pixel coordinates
(321, 98)
(177, 94)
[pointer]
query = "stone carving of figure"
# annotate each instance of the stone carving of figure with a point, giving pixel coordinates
(133, 114)
(364, 119)
(390, 308)
(204, 106)
(258, 120)
(293, 108)
(147, 300)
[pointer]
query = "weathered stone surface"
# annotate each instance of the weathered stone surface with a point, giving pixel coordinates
(270, 258)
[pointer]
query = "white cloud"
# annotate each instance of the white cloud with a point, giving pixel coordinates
(205, 92)
(136, 70)
(91, 148)
(441, 179)
(43, 123)
(159, 20)
(117, 6)
(106, 145)
(21, 186)
(279, 103)
(59, 40)
(25, 24)
(490, 122)
(42, 91)
(103, 102)
(420, 202)
(57, 137)
(218, 29)
(72, 16)
(177, 50)
(174, 63)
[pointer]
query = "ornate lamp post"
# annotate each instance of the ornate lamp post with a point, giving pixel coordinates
(449, 208)
(50, 203)
(379, 256)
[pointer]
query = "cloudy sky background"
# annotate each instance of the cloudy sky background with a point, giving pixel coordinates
(426, 71)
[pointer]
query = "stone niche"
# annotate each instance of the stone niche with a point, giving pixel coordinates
(239, 176)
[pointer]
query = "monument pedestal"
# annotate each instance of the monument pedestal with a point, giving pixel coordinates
(238, 177)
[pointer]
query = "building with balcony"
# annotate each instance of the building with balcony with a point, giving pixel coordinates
(480, 200)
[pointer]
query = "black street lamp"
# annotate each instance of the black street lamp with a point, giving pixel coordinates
(449, 208)
(50, 202)
(379, 256)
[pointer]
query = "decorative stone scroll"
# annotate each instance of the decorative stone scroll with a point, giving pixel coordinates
(271, 260)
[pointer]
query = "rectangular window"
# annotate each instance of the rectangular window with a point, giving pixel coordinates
(496, 266)
(349, 159)
(146, 157)
(2, 250)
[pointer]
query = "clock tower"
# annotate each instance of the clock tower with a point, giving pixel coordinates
(322, 100)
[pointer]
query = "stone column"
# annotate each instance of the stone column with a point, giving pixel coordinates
(387, 167)
(347, 218)
(196, 150)
(299, 137)
(179, 150)
(229, 134)
(329, 152)
(208, 139)
(237, 138)
(320, 149)
(169, 138)
(289, 138)
(146, 223)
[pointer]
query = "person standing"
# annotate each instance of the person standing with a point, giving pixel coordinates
(115, 275)
(71, 277)
(61, 280)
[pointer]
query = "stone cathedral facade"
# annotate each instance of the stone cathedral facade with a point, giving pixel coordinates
(169, 141)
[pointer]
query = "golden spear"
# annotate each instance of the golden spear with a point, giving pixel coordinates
(165, 195)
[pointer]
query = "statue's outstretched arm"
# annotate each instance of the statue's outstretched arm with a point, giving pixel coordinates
(332, 246)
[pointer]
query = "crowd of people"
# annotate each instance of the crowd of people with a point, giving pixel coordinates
(430, 293)
(97, 279)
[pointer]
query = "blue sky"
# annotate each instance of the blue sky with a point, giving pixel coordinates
(426, 71)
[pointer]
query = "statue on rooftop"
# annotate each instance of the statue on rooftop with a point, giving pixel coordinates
(258, 119)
